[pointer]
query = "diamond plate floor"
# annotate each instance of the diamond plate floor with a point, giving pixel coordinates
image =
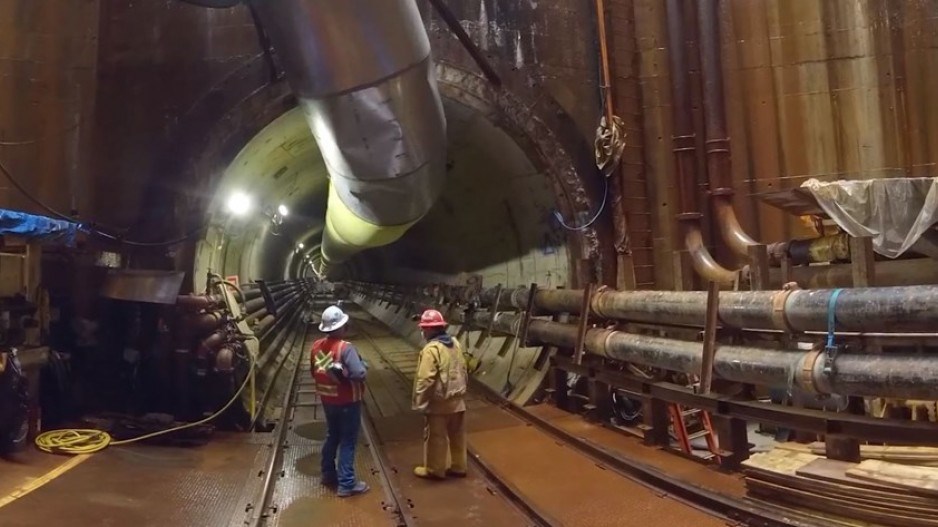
(146, 486)
(299, 498)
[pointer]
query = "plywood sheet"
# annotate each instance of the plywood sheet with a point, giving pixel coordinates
(922, 479)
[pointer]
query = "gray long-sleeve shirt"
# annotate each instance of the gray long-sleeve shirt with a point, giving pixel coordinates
(354, 366)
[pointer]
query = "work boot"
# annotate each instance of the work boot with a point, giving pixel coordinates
(329, 481)
(360, 488)
(424, 472)
(450, 473)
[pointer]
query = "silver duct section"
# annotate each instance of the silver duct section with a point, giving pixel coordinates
(363, 75)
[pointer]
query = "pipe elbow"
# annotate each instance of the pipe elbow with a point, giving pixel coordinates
(704, 263)
(733, 233)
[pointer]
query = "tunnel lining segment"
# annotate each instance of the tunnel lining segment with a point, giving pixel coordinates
(531, 123)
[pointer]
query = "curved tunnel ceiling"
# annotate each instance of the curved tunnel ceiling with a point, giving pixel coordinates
(493, 218)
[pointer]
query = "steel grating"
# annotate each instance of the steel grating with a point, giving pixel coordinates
(299, 500)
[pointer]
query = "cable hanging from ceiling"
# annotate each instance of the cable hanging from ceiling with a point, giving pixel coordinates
(90, 227)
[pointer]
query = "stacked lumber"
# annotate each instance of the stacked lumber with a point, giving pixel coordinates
(924, 456)
(873, 492)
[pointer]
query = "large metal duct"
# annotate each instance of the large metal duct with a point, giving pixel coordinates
(362, 72)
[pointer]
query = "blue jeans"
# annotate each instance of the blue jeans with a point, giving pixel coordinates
(342, 423)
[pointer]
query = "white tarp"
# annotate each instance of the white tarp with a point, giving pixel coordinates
(894, 212)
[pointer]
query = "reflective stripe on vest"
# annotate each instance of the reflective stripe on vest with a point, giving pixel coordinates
(325, 352)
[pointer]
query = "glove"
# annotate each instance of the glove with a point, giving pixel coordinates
(337, 371)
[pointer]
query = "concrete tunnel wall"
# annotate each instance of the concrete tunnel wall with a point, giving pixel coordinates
(494, 221)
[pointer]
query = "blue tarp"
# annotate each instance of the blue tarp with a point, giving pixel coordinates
(47, 230)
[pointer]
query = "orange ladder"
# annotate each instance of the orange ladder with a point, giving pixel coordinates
(679, 417)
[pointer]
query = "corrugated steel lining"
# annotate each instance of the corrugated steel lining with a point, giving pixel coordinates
(825, 89)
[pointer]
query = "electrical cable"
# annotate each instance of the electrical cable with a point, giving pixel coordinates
(76, 441)
(602, 207)
(89, 228)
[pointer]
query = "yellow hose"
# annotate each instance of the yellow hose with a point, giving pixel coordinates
(75, 441)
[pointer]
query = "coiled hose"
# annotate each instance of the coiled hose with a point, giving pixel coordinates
(76, 441)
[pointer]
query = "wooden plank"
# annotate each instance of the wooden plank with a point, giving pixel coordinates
(923, 479)
(836, 472)
(778, 461)
(901, 500)
(915, 455)
(818, 517)
(886, 515)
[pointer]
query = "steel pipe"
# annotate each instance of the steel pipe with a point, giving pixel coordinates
(893, 272)
(863, 309)
(892, 375)
(719, 161)
(198, 302)
(684, 146)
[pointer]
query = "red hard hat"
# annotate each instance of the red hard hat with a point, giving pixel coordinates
(432, 318)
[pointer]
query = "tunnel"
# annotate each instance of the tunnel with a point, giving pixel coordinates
(479, 229)
(509, 262)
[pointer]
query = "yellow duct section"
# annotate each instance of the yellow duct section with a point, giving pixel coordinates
(346, 233)
(368, 91)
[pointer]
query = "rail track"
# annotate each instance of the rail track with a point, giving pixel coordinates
(532, 511)
(735, 511)
(397, 503)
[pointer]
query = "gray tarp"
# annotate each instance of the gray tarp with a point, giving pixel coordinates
(894, 212)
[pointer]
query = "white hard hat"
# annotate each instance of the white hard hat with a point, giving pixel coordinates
(333, 318)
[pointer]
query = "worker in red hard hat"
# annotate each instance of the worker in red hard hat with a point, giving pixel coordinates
(439, 392)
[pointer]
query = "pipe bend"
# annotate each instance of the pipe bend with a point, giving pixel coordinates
(703, 261)
(733, 233)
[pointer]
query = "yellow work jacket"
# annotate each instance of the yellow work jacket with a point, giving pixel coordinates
(442, 379)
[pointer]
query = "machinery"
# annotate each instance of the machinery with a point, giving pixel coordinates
(14, 409)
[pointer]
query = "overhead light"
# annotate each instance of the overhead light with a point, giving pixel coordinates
(239, 203)
(283, 210)
(300, 245)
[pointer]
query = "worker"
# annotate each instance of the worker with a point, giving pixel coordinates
(340, 382)
(439, 392)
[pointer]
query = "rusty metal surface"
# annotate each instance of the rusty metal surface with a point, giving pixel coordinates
(823, 89)
(400, 434)
(145, 486)
(553, 478)
(574, 489)
(703, 475)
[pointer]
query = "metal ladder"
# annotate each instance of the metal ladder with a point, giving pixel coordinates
(679, 417)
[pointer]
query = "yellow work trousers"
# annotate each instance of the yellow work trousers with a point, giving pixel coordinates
(444, 446)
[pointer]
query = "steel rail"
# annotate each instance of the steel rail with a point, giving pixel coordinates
(511, 493)
(259, 514)
(700, 498)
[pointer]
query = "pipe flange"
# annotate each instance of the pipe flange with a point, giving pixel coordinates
(595, 302)
(806, 377)
(779, 316)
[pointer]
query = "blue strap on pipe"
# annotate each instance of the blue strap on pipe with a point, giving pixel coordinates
(831, 350)
(831, 317)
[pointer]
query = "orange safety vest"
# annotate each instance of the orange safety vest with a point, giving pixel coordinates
(331, 390)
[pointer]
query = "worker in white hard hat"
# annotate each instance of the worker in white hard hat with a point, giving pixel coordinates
(340, 382)
(439, 392)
